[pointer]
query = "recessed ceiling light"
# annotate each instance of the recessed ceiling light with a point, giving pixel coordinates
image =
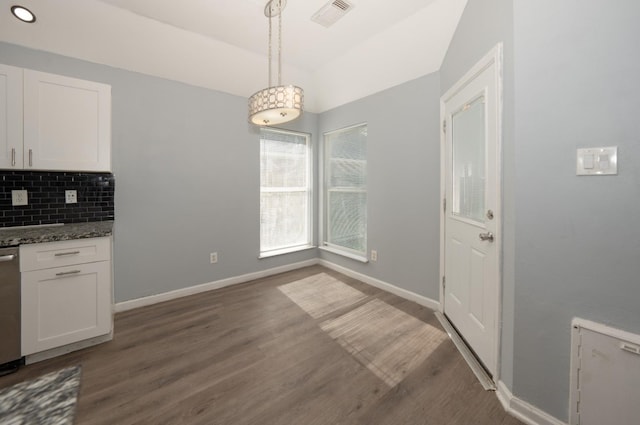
(23, 14)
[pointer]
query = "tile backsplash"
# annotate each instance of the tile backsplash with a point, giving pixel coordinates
(46, 196)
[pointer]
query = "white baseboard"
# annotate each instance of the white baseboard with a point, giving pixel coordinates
(403, 293)
(210, 286)
(192, 290)
(522, 410)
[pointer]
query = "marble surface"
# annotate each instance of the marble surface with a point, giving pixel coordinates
(47, 400)
(12, 236)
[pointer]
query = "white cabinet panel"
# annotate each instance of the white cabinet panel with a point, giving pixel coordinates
(58, 254)
(10, 117)
(67, 123)
(64, 305)
(605, 375)
(67, 293)
(51, 122)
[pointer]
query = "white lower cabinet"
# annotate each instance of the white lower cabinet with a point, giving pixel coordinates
(67, 304)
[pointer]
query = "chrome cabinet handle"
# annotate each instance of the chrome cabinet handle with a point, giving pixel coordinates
(68, 273)
(30, 157)
(61, 254)
(486, 236)
(13, 157)
(6, 258)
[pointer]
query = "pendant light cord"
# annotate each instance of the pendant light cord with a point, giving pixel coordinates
(279, 9)
(280, 43)
(270, 13)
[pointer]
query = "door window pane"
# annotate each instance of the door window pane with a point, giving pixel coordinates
(469, 159)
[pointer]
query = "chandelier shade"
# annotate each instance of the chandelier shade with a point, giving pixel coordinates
(279, 103)
(276, 105)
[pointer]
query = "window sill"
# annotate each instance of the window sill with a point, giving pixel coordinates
(283, 251)
(347, 254)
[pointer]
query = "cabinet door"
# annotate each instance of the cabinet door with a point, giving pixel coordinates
(10, 117)
(67, 123)
(64, 305)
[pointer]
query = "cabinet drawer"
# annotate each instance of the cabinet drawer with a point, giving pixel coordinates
(65, 253)
(65, 305)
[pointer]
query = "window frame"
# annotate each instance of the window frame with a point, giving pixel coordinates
(324, 204)
(309, 244)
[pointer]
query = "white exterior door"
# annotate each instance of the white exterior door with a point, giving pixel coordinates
(471, 215)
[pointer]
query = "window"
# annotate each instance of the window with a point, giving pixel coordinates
(345, 190)
(285, 192)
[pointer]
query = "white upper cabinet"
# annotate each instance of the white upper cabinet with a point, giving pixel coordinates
(10, 117)
(67, 123)
(61, 123)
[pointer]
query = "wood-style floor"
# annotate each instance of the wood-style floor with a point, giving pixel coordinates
(247, 354)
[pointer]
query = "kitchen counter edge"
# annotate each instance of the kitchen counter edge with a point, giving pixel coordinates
(14, 236)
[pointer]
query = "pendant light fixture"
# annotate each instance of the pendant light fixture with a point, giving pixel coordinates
(276, 104)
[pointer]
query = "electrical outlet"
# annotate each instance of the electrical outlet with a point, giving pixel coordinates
(71, 196)
(374, 255)
(19, 197)
(213, 257)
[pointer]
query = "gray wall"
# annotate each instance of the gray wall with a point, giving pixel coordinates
(483, 25)
(187, 178)
(577, 238)
(403, 171)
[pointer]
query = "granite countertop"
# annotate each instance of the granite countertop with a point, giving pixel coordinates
(11, 236)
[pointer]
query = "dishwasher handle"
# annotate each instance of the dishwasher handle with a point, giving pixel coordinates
(6, 258)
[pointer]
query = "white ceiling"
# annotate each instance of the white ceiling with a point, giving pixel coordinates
(242, 23)
(223, 44)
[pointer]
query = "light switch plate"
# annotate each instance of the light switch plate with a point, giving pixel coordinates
(597, 161)
(71, 196)
(19, 198)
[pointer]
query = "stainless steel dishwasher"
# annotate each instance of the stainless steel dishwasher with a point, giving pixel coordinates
(9, 310)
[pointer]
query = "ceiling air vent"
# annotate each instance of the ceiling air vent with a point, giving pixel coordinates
(331, 12)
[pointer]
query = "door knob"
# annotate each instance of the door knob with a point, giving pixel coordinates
(486, 236)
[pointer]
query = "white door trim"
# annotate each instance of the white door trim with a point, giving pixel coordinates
(493, 57)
